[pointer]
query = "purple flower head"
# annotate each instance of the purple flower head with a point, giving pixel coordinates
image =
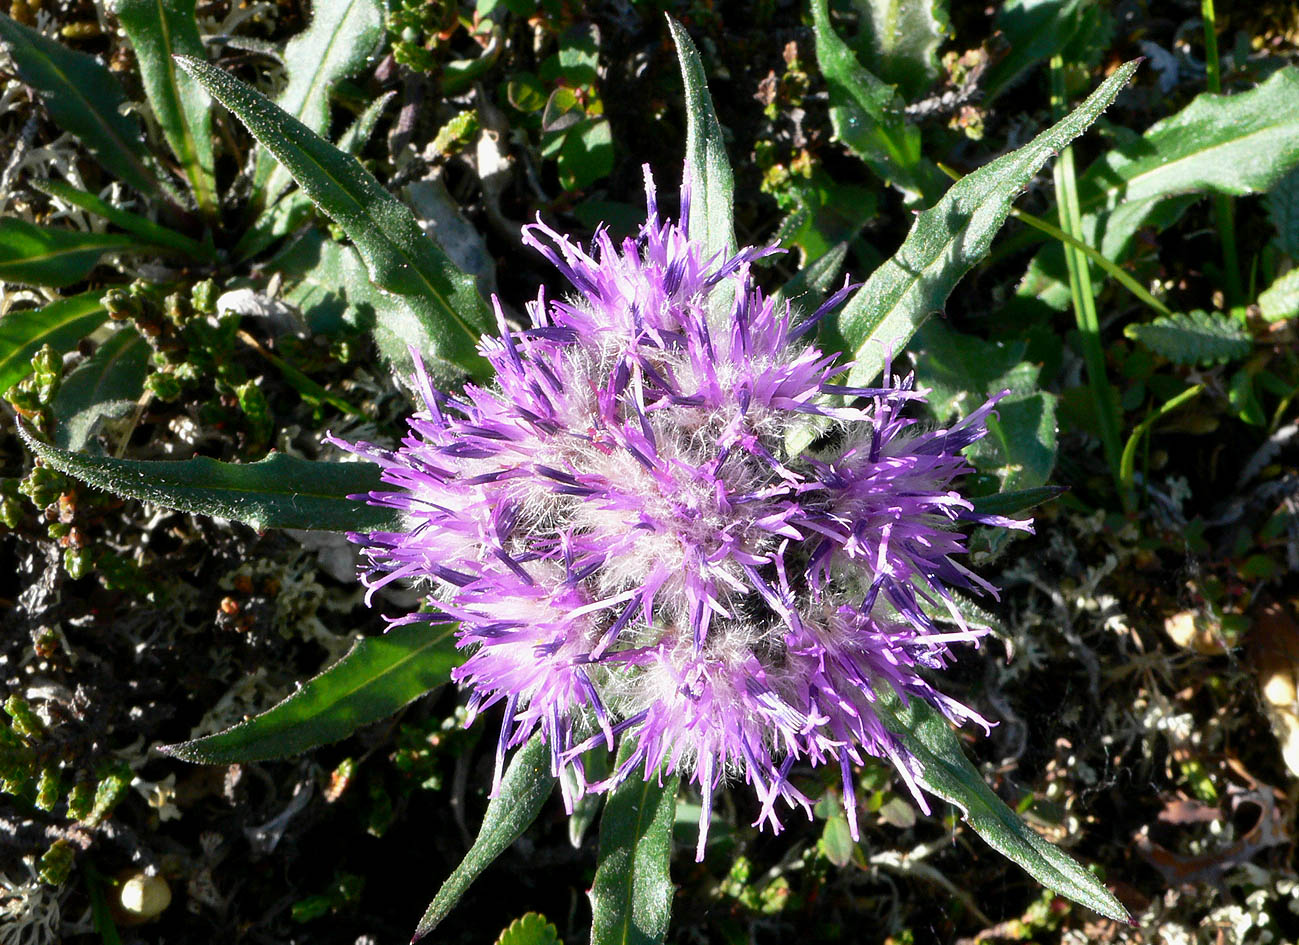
(630, 553)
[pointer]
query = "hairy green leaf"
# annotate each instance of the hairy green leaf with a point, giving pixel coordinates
(1196, 337)
(37, 255)
(631, 897)
(340, 38)
(960, 371)
(1283, 208)
(707, 170)
(867, 114)
(59, 324)
(524, 788)
(1035, 30)
(376, 678)
(84, 98)
(530, 929)
(903, 37)
(142, 227)
(949, 238)
(444, 305)
(280, 491)
(946, 773)
(1021, 443)
(1008, 503)
(292, 210)
(1280, 299)
(158, 29)
(1228, 144)
(106, 386)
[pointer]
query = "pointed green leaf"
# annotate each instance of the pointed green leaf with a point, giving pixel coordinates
(37, 255)
(1228, 144)
(108, 385)
(292, 210)
(84, 98)
(707, 171)
(903, 37)
(1196, 337)
(867, 114)
(1021, 443)
(158, 29)
(442, 301)
(142, 227)
(1283, 209)
(1035, 30)
(1020, 500)
(524, 788)
(59, 324)
(280, 491)
(340, 38)
(631, 898)
(376, 678)
(947, 773)
(949, 238)
(1280, 300)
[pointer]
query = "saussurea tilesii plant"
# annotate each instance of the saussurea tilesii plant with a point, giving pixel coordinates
(628, 553)
(665, 524)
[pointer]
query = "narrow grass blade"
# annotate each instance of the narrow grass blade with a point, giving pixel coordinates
(376, 678)
(1080, 284)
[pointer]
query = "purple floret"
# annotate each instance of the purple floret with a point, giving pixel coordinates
(630, 552)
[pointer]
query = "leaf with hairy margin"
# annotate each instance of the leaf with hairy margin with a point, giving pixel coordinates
(1196, 337)
(280, 491)
(340, 38)
(378, 676)
(51, 256)
(949, 238)
(524, 788)
(445, 313)
(84, 98)
(707, 171)
(291, 211)
(59, 324)
(108, 385)
(631, 896)
(903, 37)
(946, 772)
(867, 114)
(158, 29)
(1228, 144)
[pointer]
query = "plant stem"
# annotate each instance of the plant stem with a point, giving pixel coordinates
(1224, 210)
(1128, 463)
(1080, 287)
